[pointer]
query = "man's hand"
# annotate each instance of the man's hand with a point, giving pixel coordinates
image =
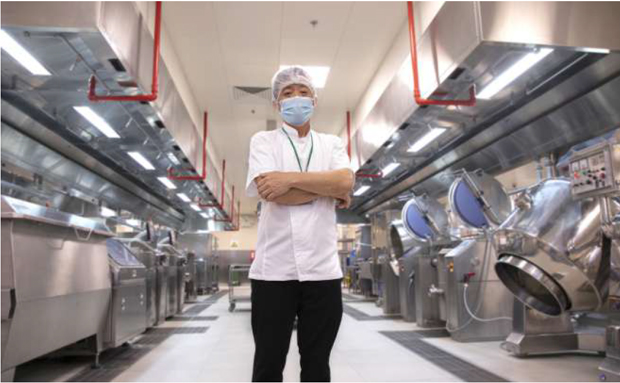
(344, 201)
(273, 184)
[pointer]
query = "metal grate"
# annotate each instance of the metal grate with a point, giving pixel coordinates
(203, 305)
(195, 310)
(159, 335)
(352, 298)
(362, 316)
(193, 318)
(419, 334)
(414, 342)
(97, 375)
(252, 94)
(115, 361)
(167, 331)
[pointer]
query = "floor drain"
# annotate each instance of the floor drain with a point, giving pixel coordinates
(362, 316)
(414, 342)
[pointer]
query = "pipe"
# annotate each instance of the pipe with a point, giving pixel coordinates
(219, 205)
(364, 175)
(349, 134)
(539, 171)
(238, 214)
(232, 209)
(551, 166)
(202, 177)
(223, 183)
(416, 83)
(92, 83)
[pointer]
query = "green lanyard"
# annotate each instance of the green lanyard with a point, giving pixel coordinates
(297, 155)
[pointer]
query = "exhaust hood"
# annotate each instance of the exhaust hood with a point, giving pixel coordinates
(548, 72)
(74, 40)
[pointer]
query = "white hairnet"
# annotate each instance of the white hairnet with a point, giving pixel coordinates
(289, 76)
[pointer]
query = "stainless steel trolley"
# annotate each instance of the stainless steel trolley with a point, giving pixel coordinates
(237, 291)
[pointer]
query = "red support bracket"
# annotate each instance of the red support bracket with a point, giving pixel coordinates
(236, 225)
(232, 209)
(202, 177)
(238, 215)
(379, 174)
(92, 83)
(219, 205)
(349, 134)
(416, 83)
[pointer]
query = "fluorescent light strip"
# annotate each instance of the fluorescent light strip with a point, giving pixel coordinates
(21, 55)
(97, 121)
(211, 225)
(105, 212)
(139, 158)
(166, 182)
(184, 197)
(596, 50)
(361, 190)
(204, 215)
(318, 73)
(426, 139)
(516, 70)
(173, 159)
(389, 168)
(133, 222)
(195, 207)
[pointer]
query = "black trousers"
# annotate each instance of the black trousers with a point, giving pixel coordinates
(318, 307)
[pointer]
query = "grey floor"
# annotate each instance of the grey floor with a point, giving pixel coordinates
(362, 353)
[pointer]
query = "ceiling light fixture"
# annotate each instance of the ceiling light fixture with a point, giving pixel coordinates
(204, 215)
(318, 73)
(173, 159)
(426, 139)
(596, 50)
(105, 212)
(516, 70)
(361, 190)
(97, 121)
(389, 168)
(139, 158)
(21, 55)
(133, 222)
(211, 225)
(166, 182)
(195, 207)
(184, 197)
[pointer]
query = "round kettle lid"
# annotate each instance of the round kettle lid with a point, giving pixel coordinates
(424, 218)
(479, 200)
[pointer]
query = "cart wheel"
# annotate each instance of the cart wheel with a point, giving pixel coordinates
(231, 308)
(602, 377)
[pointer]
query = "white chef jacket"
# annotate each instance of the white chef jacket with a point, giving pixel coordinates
(295, 242)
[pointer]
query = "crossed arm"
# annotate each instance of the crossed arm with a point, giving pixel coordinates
(294, 188)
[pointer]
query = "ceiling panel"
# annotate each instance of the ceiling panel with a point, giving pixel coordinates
(249, 31)
(227, 44)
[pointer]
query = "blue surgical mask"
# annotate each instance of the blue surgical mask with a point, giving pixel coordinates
(296, 111)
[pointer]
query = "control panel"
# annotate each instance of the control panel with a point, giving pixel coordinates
(592, 171)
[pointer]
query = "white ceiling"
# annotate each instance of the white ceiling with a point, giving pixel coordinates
(226, 44)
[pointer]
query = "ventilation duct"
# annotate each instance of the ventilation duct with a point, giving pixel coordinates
(544, 109)
(74, 40)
